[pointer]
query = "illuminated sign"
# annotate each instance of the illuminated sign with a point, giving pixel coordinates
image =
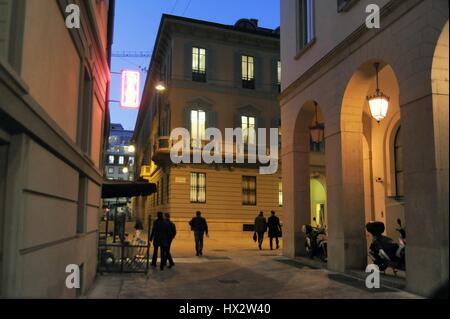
(130, 89)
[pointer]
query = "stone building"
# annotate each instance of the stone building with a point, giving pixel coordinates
(394, 168)
(53, 93)
(224, 76)
(119, 164)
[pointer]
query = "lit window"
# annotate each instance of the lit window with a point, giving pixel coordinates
(248, 72)
(279, 72)
(121, 160)
(198, 188)
(198, 64)
(111, 159)
(198, 127)
(248, 130)
(398, 165)
(111, 170)
(131, 161)
(305, 23)
(249, 190)
(280, 193)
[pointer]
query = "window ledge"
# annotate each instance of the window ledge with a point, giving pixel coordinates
(302, 51)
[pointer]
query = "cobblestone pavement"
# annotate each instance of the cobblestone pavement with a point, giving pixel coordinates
(236, 269)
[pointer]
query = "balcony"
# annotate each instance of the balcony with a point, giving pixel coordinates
(161, 149)
(146, 172)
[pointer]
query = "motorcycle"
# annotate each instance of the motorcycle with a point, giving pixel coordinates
(383, 251)
(316, 241)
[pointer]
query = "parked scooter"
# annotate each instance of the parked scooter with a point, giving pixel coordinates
(383, 251)
(316, 241)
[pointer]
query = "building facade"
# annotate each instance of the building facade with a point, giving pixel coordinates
(53, 93)
(120, 154)
(386, 170)
(217, 76)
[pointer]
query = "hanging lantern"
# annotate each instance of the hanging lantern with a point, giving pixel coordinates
(379, 102)
(317, 131)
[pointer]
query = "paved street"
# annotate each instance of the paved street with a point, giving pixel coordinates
(236, 269)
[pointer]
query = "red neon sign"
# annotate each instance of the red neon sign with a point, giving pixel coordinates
(131, 81)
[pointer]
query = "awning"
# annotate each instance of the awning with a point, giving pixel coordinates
(117, 189)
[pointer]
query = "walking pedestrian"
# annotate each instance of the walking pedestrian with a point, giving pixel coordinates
(160, 238)
(274, 225)
(260, 228)
(172, 234)
(200, 227)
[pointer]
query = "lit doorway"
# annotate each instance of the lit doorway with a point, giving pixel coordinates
(318, 203)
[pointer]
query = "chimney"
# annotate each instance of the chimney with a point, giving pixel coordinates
(254, 21)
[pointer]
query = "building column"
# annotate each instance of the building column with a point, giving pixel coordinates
(426, 135)
(13, 220)
(347, 247)
(296, 193)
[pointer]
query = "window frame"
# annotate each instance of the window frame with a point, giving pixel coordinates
(397, 140)
(245, 136)
(305, 24)
(280, 193)
(199, 130)
(248, 77)
(247, 191)
(198, 74)
(195, 199)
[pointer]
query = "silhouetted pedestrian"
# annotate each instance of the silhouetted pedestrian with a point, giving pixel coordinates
(274, 225)
(172, 234)
(200, 227)
(260, 228)
(160, 238)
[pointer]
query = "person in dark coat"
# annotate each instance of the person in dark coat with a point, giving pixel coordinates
(274, 225)
(200, 227)
(172, 234)
(160, 238)
(260, 228)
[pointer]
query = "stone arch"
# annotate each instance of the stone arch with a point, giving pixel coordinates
(296, 212)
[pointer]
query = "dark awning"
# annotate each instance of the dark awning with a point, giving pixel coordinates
(116, 189)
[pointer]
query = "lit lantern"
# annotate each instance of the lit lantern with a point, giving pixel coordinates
(379, 102)
(317, 131)
(130, 89)
(160, 87)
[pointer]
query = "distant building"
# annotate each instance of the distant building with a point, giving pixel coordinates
(120, 154)
(53, 119)
(223, 76)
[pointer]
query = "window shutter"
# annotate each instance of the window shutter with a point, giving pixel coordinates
(238, 70)
(259, 72)
(237, 120)
(274, 74)
(210, 72)
(187, 118)
(188, 62)
(211, 119)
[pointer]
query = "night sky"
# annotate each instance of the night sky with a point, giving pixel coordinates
(136, 27)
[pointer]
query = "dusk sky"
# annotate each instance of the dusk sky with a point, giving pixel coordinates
(136, 27)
